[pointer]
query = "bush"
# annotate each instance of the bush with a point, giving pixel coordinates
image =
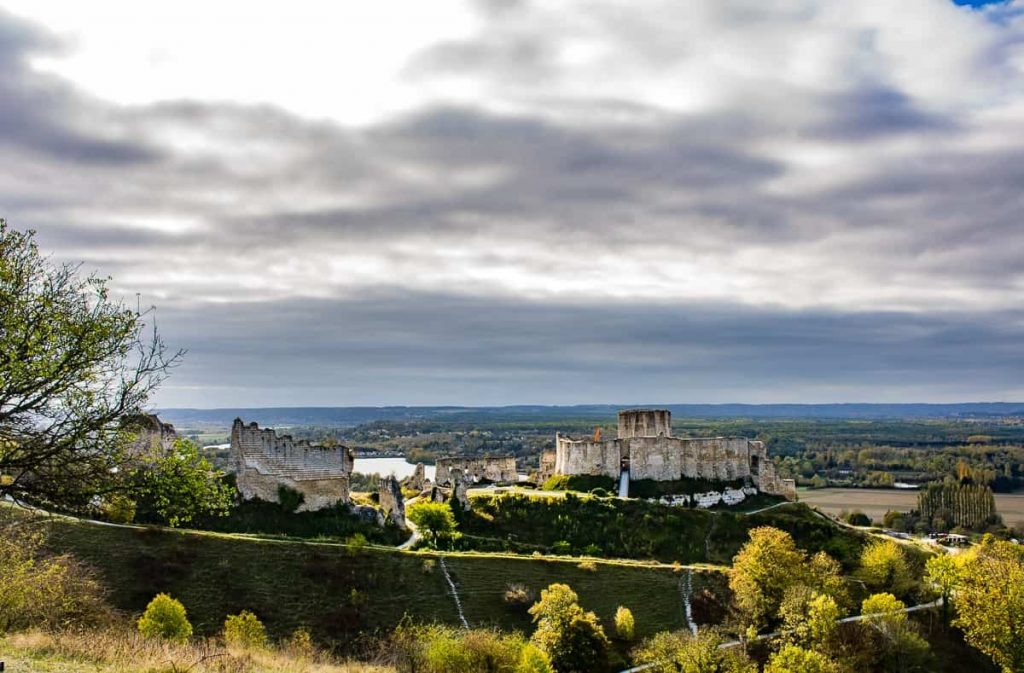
(245, 630)
(625, 627)
(578, 482)
(445, 649)
(165, 618)
(534, 660)
(44, 591)
(858, 518)
(589, 566)
(300, 644)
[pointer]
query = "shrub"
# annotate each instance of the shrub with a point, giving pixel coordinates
(45, 591)
(534, 660)
(289, 499)
(858, 518)
(561, 547)
(165, 618)
(245, 630)
(589, 566)
(445, 649)
(300, 643)
(625, 627)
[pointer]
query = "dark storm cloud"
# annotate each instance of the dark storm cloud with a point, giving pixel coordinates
(497, 351)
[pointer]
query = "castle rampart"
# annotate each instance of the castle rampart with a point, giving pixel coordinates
(264, 462)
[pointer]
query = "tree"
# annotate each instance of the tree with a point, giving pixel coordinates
(943, 572)
(165, 618)
(891, 638)
(682, 652)
(435, 522)
(989, 602)
(764, 569)
(178, 487)
(811, 618)
(571, 637)
(795, 659)
(884, 567)
(73, 364)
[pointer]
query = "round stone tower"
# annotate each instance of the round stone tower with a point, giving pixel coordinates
(645, 423)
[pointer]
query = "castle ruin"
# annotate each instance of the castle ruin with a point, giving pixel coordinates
(264, 462)
(646, 449)
(499, 470)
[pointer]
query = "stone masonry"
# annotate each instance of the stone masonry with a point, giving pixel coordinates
(646, 449)
(498, 470)
(264, 462)
(392, 505)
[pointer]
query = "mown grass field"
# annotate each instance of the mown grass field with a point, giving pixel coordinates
(875, 502)
(342, 593)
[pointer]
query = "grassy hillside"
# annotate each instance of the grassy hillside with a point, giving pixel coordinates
(339, 592)
(638, 529)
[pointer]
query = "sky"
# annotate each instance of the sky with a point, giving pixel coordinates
(490, 202)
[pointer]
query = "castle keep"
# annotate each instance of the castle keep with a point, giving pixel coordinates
(263, 462)
(646, 449)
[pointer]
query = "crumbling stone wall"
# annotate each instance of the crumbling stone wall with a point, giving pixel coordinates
(548, 458)
(659, 456)
(392, 505)
(496, 469)
(264, 462)
(152, 437)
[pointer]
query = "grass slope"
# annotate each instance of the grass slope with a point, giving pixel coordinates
(638, 529)
(340, 592)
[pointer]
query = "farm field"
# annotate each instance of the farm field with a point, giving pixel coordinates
(875, 502)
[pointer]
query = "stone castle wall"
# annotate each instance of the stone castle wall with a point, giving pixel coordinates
(263, 462)
(151, 437)
(496, 469)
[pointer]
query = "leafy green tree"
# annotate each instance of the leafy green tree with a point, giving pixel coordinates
(571, 637)
(682, 652)
(989, 602)
(795, 659)
(435, 522)
(178, 487)
(165, 618)
(767, 565)
(943, 572)
(73, 364)
(811, 618)
(891, 638)
(884, 567)
(245, 630)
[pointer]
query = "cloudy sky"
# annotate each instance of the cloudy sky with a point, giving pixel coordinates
(514, 201)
